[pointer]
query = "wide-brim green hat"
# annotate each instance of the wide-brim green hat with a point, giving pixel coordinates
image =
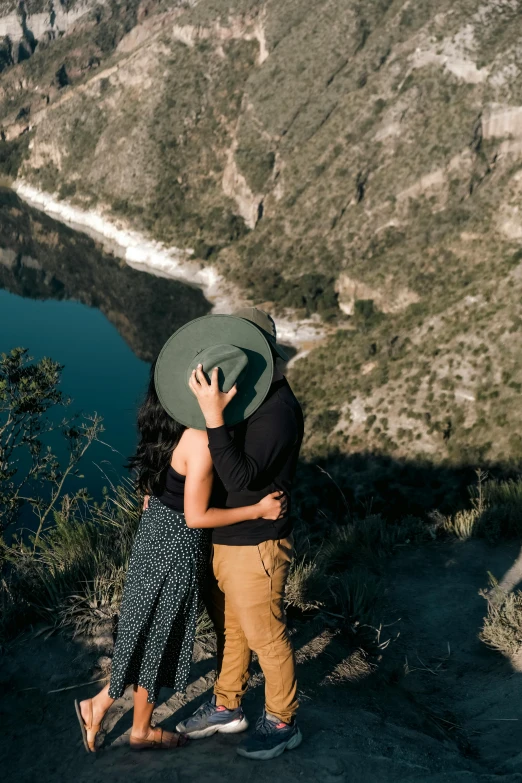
(236, 346)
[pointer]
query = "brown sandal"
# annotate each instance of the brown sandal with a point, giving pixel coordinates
(160, 741)
(90, 747)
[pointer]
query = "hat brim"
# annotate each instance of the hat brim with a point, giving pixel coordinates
(170, 375)
(280, 352)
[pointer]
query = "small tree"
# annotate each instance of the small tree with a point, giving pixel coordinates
(365, 314)
(31, 474)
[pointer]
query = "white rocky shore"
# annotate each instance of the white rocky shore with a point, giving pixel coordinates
(148, 255)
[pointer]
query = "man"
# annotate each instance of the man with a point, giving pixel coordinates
(251, 560)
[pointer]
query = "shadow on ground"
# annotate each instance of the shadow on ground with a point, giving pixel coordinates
(437, 707)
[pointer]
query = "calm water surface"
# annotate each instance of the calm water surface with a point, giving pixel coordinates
(62, 296)
(101, 373)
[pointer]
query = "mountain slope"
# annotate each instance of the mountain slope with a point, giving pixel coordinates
(361, 160)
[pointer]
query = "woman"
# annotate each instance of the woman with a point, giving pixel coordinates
(157, 624)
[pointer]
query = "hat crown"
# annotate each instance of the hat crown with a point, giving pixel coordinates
(233, 345)
(230, 360)
(260, 318)
(266, 324)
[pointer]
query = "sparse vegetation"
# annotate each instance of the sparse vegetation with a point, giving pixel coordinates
(12, 153)
(496, 511)
(411, 210)
(73, 577)
(68, 575)
(32, 477)
(502, 629)
(388, 209)
(439, 378)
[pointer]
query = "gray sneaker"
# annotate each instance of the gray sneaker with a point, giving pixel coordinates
(209, 719)
(270, 739)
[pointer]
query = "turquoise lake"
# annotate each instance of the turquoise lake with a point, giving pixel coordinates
(101, 373)
(62, 296)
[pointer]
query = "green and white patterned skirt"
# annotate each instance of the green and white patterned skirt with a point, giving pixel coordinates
(159, 610)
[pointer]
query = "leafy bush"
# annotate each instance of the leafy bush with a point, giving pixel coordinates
(67, 190)
(256, 164)
(114, 22)
(365, 314)
(31, 475)
(310, 293)
(327, 420)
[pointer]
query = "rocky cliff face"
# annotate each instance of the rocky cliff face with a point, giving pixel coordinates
(357, 160)
(27, 24)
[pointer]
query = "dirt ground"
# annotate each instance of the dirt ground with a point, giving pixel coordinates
(439, 707)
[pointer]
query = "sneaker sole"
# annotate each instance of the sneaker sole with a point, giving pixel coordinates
(234, 727)
(273, 753)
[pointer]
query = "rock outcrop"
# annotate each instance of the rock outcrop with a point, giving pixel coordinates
(24, 30)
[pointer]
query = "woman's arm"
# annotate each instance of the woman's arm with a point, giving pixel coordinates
(198, 486)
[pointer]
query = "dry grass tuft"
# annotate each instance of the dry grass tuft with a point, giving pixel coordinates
(463, 524)
(354, 668)
(502, 629)
(495, 513)
(305, 585)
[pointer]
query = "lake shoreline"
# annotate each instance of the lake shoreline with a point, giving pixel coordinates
(148, 255)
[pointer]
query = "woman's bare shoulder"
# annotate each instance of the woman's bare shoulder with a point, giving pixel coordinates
(193, 439)
(192, 444)
(195, 451)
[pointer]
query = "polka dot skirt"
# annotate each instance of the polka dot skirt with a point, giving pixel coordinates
(159, 611)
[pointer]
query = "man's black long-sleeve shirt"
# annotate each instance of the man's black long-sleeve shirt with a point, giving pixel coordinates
(256, 457)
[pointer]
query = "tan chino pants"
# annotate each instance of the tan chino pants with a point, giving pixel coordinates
(246, 603)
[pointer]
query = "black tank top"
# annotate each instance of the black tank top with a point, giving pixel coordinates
(174, 490)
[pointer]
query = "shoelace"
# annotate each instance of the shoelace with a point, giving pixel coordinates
(265, 726)
(205, 708)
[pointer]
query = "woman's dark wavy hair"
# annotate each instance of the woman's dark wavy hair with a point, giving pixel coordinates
(159, 436)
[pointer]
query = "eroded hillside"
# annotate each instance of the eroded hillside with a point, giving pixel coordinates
(360, 160)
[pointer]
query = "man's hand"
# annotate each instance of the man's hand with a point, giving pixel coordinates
(211, 400)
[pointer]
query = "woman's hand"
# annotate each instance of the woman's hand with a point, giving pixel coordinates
(273, 506)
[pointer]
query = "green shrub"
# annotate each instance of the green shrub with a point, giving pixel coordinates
(365, 314)
(67, 190)
(327, 420)
(12, 155)
(256, 165)
(311, 293)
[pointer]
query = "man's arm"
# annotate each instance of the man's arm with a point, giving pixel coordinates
(266, 436)
(198, 486)
(265, 439)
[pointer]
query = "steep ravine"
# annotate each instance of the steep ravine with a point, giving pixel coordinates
(145, 254)
(351, 160)
(41, 258)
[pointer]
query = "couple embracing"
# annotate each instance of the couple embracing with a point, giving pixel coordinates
(220, 433)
